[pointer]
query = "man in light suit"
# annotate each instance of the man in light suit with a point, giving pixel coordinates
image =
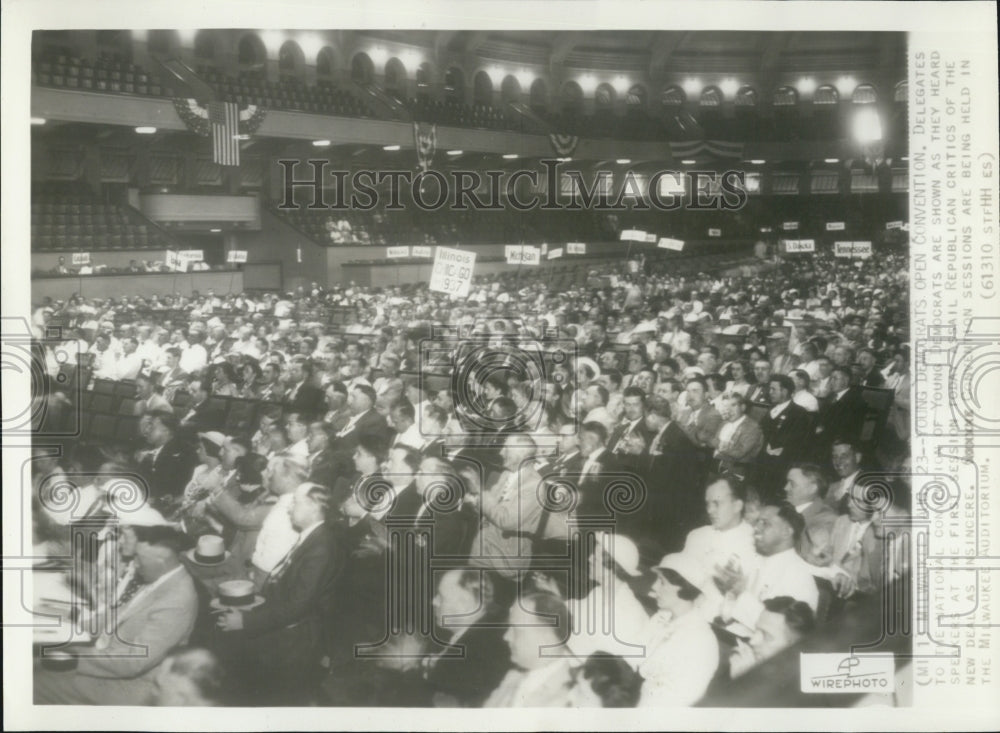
(805, 488)
(152, 618)
(701, 421)
(539, 679)
(511, 512)
(739, 439)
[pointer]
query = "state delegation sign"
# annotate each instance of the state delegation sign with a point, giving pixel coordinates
(452, 271)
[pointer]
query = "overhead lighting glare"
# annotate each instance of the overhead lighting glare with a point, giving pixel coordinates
(390, 148)
(145, 130)
(510, 156)
(455, 152)
(321, 143)
(623, 161)
(37, 120)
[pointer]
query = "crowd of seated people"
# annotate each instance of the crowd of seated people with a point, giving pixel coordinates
(134, 267)
(681, 486)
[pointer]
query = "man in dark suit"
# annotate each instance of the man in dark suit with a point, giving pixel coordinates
(598, 342)
(283, 639)
(673, 479)
(870, 375)
(568, 460)
(443, 511)
(365, 421)
(633, 423)
(466, 671)
(201, 417)
(786, 434)
(598, 464)
(304, 396)
(322, 463)
(759, 391)
(842, 415)
(168, 466)
(399, 470)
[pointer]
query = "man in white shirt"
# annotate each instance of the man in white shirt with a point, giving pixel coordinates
(277, 535)
(402, 416)
(781, 572)
(595, 400)
(105, 360)
(130, 363)
(195, 357)
(802, 396)
(298, 436)
(726, 542)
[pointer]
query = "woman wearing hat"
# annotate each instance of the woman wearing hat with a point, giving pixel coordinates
(682, 653)
(621, 618)
(205, 481)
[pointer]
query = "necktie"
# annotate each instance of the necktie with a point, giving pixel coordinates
(282, 566)
(132, 587)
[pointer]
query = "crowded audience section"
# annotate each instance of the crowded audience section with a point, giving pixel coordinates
(577, 455)
(325, 495)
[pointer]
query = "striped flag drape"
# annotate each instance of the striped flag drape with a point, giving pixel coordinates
(715, 148)
(225, 120)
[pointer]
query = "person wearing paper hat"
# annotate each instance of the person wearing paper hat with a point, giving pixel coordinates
(614, 568)
(682, 653)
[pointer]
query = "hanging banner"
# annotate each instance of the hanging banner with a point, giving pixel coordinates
(843, 249)
(425, 141)
(452, 272)
(800, 245)
(563, 145)
(668, 243)
(518, 254)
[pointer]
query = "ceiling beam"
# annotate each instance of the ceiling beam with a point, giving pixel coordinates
(563, 47)
(663, 49)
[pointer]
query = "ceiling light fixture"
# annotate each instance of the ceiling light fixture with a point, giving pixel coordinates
(321, 143)
(145, 130)
(390, 148)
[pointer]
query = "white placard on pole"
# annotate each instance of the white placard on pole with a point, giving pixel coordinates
(715, 232)
(668, 243)
(191, 255)
(452, 272)
(555, 253)
(576, 248)
(790, 226)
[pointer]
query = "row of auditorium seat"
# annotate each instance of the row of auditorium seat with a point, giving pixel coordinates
(67, 223)
(103, 76)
